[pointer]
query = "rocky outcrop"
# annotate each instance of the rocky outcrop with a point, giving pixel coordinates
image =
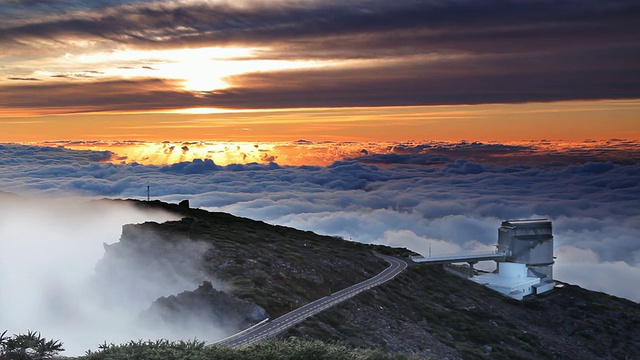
(152, 270)
(204, 304)
(144, 265)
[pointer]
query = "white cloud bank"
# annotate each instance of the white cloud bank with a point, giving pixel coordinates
(453, 205)
(48, 279)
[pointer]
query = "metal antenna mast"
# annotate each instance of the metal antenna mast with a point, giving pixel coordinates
(148, 192)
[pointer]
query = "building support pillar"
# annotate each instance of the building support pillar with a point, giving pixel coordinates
(471, 263)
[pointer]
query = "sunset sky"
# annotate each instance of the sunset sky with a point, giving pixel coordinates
(319, 70)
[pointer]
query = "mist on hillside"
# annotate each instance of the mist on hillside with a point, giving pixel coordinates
(48, 279)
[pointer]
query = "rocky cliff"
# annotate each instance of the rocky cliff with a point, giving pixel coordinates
(232, 271)
(204, 304)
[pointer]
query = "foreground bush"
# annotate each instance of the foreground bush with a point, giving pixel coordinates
(270, 350)
(29, 346)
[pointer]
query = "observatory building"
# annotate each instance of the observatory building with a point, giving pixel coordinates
(524, 257)
(527, 268)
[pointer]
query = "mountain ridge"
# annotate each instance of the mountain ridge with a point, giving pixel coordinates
(424, 311)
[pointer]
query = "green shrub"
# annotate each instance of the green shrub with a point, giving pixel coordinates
(195, 350)
(28, 346)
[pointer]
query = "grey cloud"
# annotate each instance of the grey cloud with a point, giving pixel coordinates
(464, 80)
(404, 159)
(48, 155)
(281, 21)
(429, 52)
(98, 96)
(443, 153)
(24, 79)
(195, 167)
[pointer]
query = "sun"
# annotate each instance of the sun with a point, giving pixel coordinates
(198, 69)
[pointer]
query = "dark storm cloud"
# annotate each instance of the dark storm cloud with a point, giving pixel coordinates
(143, 94)
(424, 52)
(462, 80)
(397, 84)
(24, 79)
(450, 24)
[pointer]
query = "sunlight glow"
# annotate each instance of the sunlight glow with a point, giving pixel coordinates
(203, 69)
(323, 153)
(202, 111)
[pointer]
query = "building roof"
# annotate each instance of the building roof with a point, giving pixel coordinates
(527, 223)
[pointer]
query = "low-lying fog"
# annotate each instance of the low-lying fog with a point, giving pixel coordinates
(49, 251)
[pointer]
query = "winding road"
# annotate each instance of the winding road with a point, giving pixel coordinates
(267, 329)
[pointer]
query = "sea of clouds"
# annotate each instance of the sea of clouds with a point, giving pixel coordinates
(425, 202)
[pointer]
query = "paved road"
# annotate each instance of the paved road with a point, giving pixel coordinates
(271, 328)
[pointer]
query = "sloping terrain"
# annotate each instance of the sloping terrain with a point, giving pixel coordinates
(425, 310)
(433, 313)
(277, 268)
(190, 308)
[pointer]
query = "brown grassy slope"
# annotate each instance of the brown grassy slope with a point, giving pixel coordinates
(430, 312)
(276, 267)
(425, 310)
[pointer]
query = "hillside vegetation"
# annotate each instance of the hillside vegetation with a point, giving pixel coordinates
(269, 350)
(425, 310)
(275, 267)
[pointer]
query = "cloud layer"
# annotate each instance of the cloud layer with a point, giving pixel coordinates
(449, 205)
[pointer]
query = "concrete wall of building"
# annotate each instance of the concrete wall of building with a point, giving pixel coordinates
(544, 287)
(526, 241)
(543, 272)
(512, 270)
